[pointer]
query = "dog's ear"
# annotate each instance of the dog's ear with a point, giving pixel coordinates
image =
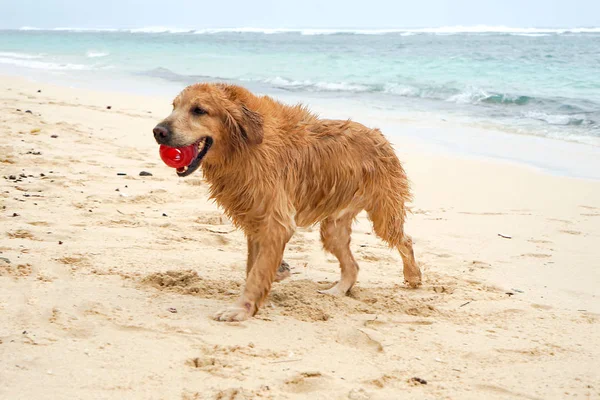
(247, 123)
(251, 126)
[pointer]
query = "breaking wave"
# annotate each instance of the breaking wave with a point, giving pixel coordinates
(444, 30)
(96, 54)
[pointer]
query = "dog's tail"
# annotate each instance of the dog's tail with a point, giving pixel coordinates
(388, 213)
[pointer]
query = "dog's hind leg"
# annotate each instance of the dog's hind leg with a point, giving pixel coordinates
(388, 224)
(335, 235)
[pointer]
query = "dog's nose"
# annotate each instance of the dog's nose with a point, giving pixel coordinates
(161, 133)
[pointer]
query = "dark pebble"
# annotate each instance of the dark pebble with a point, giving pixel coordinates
(15, 215)
(18, 109)
(117, 190)
(121, 173)
(60, 242)
(28, 112)
(39, 91)
(53, 136)
(12, 177)
(165, 215)
(42, 174)
(145, 173)
(419, 380)
(108, 107)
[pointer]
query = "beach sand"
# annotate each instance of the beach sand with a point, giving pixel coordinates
(108, 282)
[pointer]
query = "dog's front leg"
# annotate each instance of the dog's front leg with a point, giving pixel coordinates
(269, 246)
(252, 253)
(283, 272)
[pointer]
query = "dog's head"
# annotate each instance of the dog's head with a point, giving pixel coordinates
(214, 117)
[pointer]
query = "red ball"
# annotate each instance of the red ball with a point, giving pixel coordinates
(178, 157)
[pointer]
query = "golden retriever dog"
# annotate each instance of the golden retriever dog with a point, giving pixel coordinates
(274, 167)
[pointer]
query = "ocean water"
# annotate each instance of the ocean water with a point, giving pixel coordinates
(541, 82)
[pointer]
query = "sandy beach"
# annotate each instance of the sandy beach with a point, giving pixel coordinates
(109, 279)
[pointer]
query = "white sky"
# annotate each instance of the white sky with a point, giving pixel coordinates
(196, 14)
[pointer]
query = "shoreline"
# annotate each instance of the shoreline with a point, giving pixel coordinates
(427, 130)
(108, 282)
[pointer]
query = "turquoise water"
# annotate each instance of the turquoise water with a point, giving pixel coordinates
(529, 81)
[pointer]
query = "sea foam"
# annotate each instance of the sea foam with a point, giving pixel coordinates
(443, 30)
(36, 64)
(96, 54)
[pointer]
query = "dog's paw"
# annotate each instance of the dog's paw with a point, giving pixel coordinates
(413, 283)
(232, 313)
(336, 291)
(283, 272)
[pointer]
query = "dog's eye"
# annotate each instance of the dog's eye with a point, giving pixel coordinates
(198, 111)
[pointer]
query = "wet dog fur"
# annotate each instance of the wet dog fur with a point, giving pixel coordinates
(274, 167)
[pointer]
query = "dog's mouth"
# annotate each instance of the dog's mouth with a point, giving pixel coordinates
(202, 145)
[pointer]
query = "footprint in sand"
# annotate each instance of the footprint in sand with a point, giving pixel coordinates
(480, 213)
(195, 182)
(570, 232)
(39, 223)
(420, 211)
(119, 223)
(21, 234)
(481, 264)
(365, 339)
(16, 271)
(539, 241)
(74, 262)
(443, 255)
(307, 382)
(228, 394)
(536, 255)
(564, 221)
(359, 394)
(383, 381)
(224, 361)
(295, 247)
(212, 219)
(221, 239)
(189, 282)
(298, 239)
(541, 306)
(368, 256)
